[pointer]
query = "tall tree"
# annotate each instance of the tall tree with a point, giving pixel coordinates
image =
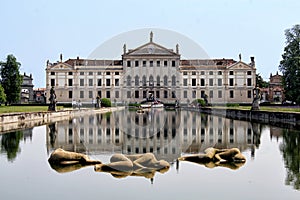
(11, 79)
(260, 81)
(2, 95)
(290, 64)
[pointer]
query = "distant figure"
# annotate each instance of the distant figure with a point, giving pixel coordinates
(79, 104)
(74, 103)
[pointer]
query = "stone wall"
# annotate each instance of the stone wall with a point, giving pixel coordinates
(16, 121)
(282, 119)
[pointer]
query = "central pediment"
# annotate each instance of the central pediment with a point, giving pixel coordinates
(151, 49)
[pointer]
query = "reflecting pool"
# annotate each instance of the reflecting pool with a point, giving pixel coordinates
(271, 171)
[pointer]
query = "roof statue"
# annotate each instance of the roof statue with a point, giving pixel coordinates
(151, 36)
(124, 48)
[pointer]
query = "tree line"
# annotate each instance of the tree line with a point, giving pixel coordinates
(11, 80)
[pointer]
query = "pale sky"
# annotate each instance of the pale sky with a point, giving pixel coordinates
(37, 30)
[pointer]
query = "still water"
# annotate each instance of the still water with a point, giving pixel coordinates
(270, 172)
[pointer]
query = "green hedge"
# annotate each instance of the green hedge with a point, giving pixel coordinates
(105, 102)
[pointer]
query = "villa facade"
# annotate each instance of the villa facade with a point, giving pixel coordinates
(152, 69)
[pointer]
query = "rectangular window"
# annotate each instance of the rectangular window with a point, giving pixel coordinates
(70, 82)
(202, 82)
(165, 63)
(107, 94)
(173, 94)
(249, 94)
(91, 73)
(231, 82)
(52, 73)
(220, 94)
(184, 94)
(90, 82)
(165, 93)
(81, 73)
(128, 63)
(202, 73)
(185, 82)
(136, 94)
(144, 63)
(211, 73)
(185, 73)
(117, 82)
(107, 82)
(230, 72)
(158, 63)
(99, 82)
(249, 72)
(211, 94)
(249, 81)
(107, 73)
(211, 82)
(117, 73)
(193, 73)
(100, 94)
(202, 93)
(90, 94)
(219, 72)
(99, 73)
(70, 94)
(136, 63)
(81, 82)
(231, 94)
(70, 73)
(117, 95)
(157, 94)
(81, 94)
(173, 63)
(144, 94)
(52, 82)
(219, 82)
(194, 93)
(151, 63)
(193, 82)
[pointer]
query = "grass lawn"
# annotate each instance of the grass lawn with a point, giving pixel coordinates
(15, 109)
(268, 108)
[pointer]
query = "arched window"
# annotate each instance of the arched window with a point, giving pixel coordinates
(173, 80)
(158, 80)
(165, 81)
(128, 81)
(151, 80)
(144, 80)
(136, 80)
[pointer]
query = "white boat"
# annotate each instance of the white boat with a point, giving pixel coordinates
(147, 105)
(157, 105)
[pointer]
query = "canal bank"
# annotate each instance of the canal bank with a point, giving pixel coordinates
(16, 121)
(281, 119)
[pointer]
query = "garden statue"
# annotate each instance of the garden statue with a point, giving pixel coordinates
(256, 99)
(52, 99)
(230, 158)
(98, 102)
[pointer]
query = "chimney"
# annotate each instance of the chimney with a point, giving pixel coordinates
(252, 61)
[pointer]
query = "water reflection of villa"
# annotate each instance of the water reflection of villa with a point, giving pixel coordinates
(166, 134)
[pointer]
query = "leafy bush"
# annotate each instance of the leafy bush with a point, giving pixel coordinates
(201, 102)
(105, 102)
